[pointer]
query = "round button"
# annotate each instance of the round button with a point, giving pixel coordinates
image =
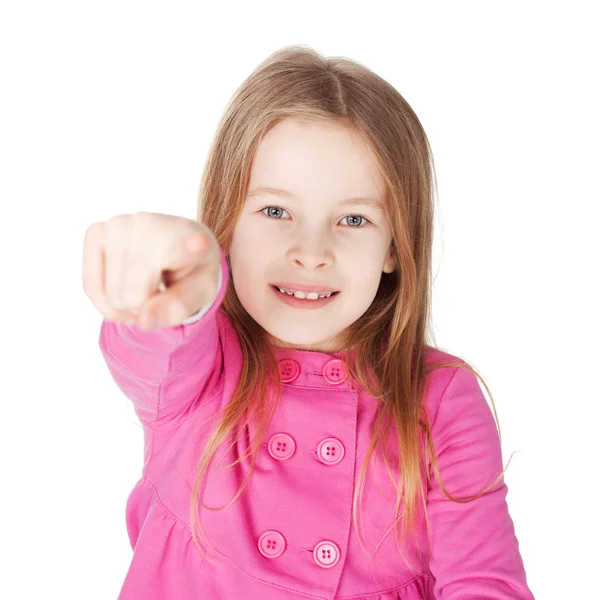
(289, 370)
(271, 544)
(281, 446)
(334, 371)
(330, 451)
(326, 554)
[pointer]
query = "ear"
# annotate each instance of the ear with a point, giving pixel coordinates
(390, 264)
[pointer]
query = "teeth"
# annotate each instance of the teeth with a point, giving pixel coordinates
(304, 295)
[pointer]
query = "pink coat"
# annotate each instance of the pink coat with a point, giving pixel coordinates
(290, 535)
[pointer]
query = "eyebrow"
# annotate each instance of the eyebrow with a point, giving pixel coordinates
(356, 200)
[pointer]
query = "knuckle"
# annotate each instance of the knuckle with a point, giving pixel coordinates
(90, 233)
(87, 289)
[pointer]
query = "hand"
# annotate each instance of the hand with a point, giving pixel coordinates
(152, 269)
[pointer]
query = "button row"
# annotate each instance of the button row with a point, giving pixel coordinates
(272, 544)
(282, 447)
(334, 371)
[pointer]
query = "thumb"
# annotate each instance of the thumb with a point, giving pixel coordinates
(182, 298)
(164, 309)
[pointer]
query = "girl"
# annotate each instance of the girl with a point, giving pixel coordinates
(302, 437)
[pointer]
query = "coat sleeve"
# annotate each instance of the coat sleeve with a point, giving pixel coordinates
(166, 372)
(475, 552)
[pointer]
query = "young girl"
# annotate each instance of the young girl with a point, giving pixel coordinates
(302, 437)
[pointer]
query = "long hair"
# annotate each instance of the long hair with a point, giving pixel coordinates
(389, 340)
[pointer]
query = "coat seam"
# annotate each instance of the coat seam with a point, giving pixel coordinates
(443, 394)
(425, 573)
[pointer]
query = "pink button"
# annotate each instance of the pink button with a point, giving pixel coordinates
(334, 371)
(281, 446)
(271, 544)
(330, 451)
(326, 554)
(289, 370)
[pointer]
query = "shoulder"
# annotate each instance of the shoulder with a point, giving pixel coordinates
(450, 386)
(440, 368)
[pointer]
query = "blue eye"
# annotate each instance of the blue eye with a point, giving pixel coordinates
(351, 226)
(269, 207)
(357, 217)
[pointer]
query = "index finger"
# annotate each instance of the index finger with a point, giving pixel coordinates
(191, 250)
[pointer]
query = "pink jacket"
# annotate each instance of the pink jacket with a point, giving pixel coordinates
(290, 535)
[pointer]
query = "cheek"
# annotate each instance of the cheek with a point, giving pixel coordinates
(248, 256)
(364, 259)
(243, 241)
(252, 232)
(364, 272)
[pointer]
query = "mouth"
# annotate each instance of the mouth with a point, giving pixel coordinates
(306, 303)
(325, 294)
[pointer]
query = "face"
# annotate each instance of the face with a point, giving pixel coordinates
(307, 235)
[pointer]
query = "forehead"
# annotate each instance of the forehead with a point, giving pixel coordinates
(324, 159)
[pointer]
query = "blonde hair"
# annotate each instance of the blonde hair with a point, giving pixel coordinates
(389, 340)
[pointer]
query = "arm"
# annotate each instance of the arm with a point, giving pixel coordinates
(166, 371)
(475, 550)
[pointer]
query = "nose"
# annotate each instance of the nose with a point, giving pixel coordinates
(311, 252)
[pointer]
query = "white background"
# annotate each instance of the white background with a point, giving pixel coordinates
(109, 108)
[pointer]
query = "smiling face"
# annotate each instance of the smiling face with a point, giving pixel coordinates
(308, 235)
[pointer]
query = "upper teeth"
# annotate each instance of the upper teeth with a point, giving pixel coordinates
(307, 296)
